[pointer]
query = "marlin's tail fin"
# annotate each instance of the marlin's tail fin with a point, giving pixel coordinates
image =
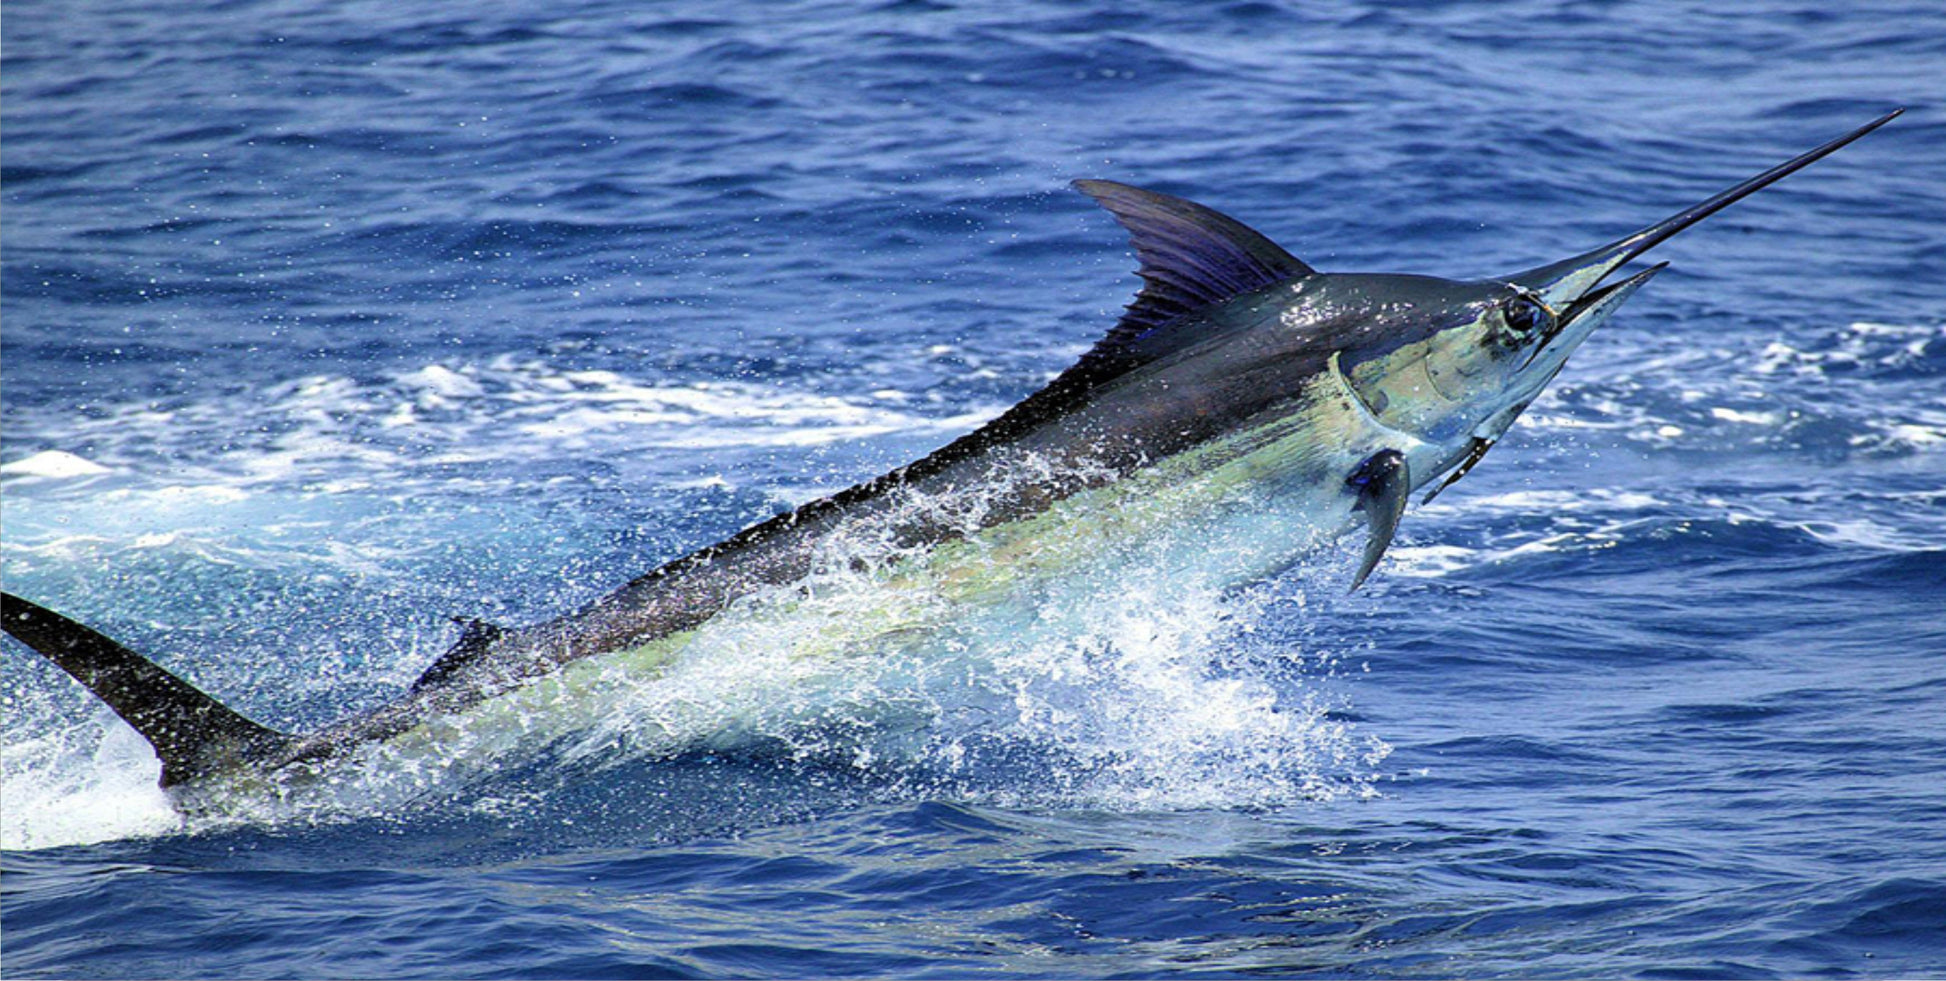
(192, 732)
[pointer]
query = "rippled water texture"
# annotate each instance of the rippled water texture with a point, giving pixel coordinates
(326, 323)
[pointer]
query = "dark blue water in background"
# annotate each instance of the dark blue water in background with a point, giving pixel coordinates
(322, 324)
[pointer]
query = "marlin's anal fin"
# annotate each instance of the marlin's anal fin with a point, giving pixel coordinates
(475, 638)
(193, 733)
(1382, 483)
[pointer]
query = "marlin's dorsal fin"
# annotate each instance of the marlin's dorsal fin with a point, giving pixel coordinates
(475, 638)
(1192, 257)
(193, 733)
(1381, 483)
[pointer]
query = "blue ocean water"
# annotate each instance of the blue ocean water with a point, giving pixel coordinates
(325, 323)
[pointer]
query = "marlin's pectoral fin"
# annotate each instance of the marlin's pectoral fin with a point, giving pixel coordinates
(1382, 483)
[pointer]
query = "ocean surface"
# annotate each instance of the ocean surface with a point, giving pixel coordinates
(325, 323)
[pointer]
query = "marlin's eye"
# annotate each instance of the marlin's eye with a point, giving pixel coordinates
(1524, 315)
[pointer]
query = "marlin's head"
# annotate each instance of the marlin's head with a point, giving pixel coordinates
(1413, 376)
(1450, 360)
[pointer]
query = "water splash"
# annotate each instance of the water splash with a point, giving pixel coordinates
(1069, 666)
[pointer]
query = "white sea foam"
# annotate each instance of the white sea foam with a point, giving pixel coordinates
(1862, 344)
(1778, 396)
(330, 432)
(52, 465)
(78, 781)
(1561, 501)
(1866, 533)
(1745, 417)
(1426, 561)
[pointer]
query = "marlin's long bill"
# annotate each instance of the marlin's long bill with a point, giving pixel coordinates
(1574, 274)
(1244, 398)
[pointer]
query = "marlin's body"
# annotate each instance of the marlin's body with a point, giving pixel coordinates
(1245, 408)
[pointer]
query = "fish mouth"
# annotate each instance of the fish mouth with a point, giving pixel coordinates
(1573, 288)
(1583, 315)
(1602, 298)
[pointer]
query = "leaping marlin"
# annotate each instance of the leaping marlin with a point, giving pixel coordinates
(1241, 388)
